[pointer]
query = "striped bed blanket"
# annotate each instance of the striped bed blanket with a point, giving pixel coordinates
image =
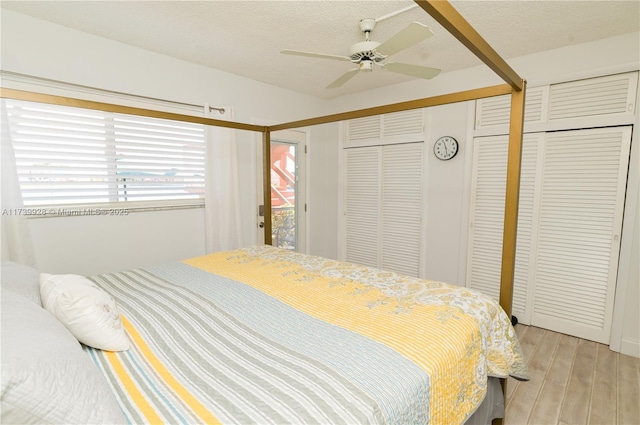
(267, 336)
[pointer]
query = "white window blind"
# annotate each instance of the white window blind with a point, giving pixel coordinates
(71, 156)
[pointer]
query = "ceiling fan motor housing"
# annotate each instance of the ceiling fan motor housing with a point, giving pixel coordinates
(365, 50)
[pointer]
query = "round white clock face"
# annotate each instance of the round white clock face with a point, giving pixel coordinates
(445, 148)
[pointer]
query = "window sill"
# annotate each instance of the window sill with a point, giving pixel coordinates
(116, 210)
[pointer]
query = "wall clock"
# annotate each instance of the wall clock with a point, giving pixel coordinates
(445, 148)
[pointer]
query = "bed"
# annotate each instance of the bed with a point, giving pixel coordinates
(261, 335)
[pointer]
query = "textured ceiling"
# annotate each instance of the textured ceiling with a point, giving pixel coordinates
(245, 37)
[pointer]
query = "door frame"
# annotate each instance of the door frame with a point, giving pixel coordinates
(300, 139)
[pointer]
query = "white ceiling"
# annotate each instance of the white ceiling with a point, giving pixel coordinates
(245, 37)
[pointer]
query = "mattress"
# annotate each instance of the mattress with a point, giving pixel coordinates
(265, 335)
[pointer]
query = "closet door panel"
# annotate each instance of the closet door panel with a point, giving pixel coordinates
(362, 201)
(487, 216)
(496, 111)
(383, 199)
(401, 207)
(581, 204)
(530, 177)
(593, 97)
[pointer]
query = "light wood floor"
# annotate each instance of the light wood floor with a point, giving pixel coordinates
(573, 381)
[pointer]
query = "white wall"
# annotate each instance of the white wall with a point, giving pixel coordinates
(89, 245)
(35, 47)
(630, 328)
(323, 196)
(625, 334)
(445, 187)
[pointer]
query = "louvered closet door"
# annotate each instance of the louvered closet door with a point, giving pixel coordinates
(487, 215)
(362, 202)
(383, 206)
(581, 205)
(401, 207)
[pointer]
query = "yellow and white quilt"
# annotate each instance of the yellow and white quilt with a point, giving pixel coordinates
(267, 336)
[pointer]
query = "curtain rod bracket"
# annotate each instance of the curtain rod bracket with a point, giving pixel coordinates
(221, 110)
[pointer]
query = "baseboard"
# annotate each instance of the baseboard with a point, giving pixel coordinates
(630, 347)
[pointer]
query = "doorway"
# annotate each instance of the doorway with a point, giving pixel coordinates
(288, 203)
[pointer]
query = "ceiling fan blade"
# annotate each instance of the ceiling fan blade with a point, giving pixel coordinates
(343, 78)
(414, 33)
(315, 55)
(411, 70)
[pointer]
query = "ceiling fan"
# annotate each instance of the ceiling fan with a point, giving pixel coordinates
(367, 53)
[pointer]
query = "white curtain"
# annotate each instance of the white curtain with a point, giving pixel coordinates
(223, 221)
(15, 234)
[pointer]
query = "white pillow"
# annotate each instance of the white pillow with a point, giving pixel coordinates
(84, 308)
(46, 376)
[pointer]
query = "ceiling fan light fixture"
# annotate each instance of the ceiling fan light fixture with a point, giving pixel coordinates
(366, 65)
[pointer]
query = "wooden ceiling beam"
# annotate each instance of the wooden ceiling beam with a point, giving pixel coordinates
(452, 21)
(120, 109)
(401, 106)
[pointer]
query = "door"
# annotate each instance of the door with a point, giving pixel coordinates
(487, 218)
(569, 225)
(580, 223)
(383, 200)
(288, 204)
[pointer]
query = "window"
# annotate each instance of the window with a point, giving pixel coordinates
(71, 156)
